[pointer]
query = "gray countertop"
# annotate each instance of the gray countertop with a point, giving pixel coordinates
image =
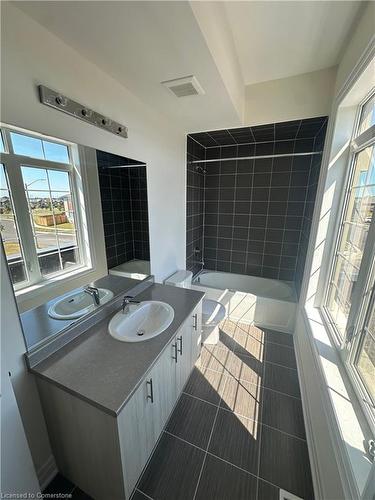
(104, 371)
(38, 326)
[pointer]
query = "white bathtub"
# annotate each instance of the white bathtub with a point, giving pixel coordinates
(249, 299)
(135, 269)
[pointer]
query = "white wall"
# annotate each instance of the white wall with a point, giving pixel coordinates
(301, 96)
(32, 55)
(218, 35)
(12, 360)
(361, 36)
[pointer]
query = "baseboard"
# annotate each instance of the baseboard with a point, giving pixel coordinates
(47, 472)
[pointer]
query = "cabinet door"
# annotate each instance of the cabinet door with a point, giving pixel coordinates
(136, 434)
(164, 387)
(196, 338)
(145, 414)
(183, 366)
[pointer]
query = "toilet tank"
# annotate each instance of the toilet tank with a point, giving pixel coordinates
(181, 279)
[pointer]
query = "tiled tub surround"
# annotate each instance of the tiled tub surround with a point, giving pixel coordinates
(194, 206)
(125, 210)
(255, 210)
(237, 431)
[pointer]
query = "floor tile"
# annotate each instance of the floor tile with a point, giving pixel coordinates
(138, 495)
(243, 398)
(266, 491)
(281, 379)
(236, 440)
(248, 345)
(78, 494)
(215, 359)
(284, 461)
(222, 481)
(281, 355)
(226, 340)
(192, 420)
(173, 470)
(228, 326)
(246, 368)
(206, 384)
(283, 412)
(59, 484)
(279, 338)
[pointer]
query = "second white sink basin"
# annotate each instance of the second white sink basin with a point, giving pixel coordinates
(142, 321)
(77, 304)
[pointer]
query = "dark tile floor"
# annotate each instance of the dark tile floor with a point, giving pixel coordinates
(237, 431)
(62, 486)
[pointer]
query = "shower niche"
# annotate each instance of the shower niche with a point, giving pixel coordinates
(123, 190)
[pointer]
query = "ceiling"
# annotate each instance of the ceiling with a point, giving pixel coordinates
(285, 131)
(280, 39)
(142, 43)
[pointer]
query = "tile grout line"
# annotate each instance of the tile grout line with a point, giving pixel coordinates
(249, 355)
(208, 445)
(228, 374)
(140, 491)
(218, 458)
(239, 354)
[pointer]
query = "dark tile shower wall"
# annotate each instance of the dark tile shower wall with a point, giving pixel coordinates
(139, 209)
(194, 206)
(255, 209)
(125, 211)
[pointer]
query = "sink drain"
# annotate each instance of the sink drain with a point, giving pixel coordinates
(140, 333)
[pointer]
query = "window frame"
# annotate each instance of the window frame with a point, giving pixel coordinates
(349, 344)
(17, 189)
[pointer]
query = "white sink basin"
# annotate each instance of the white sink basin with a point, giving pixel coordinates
(142, 321)
(77, 304)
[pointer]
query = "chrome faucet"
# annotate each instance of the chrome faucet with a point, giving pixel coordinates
(94, 292)
(128, 299)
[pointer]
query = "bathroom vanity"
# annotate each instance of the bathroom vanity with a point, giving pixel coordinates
(106, 402)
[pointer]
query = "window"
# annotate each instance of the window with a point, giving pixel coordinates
(350, 296)
(365, 358)
(39, 221)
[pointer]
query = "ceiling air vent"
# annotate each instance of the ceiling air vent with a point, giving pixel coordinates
(182, 87)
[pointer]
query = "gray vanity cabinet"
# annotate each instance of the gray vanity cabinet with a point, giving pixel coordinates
(105, 454)
(145, 415)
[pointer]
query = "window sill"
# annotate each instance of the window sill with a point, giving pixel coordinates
(46, 289)
(343, 408)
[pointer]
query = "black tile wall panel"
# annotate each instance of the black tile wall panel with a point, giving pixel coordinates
(125, 210)
(195, 181)
(256, 212)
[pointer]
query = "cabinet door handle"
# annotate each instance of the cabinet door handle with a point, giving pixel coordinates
(175, 351)
(195, 324)
(180, 349)
(151, 395)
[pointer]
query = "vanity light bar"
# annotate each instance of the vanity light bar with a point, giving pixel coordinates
(58, 101)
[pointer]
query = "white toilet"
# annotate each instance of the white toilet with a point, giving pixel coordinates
(213, 312)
